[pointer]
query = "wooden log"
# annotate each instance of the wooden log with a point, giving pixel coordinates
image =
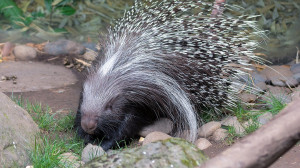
(264, 146)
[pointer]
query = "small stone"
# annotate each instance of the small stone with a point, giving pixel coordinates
(247, 97)
(263, 119)
(219, 135)
(297, 77)
(232, 121)
(208, 129)
(280, 75)
(278, 90)
(24, 53)
(261, 86)
(64, 47)
(258, 78)
(155, 136)
(202, 143)
(4, 78)
(90, 152)
(7, 48)
(253, 77)
(162, 125)
(295, 68)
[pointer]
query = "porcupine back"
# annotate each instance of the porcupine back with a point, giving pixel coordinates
(179, 59)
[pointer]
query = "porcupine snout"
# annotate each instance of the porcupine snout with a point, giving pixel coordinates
(89, 123)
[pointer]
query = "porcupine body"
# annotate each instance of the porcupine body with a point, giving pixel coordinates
(160, 60)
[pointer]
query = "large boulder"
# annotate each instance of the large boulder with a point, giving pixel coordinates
(173, 152)
(17, 134)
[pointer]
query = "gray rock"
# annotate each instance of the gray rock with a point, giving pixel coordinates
(24, 53)
(219, 135)
(7, 48)
(232, 121)
(261, 86)
(64, 47)
(297, 77)
(208, 129)
(173, 152)
(253, 77)
(257, 77)
(295, 68)
(90, 152)
(278, 90)
(279, 76)
(91, 46)
(162, 125)
(247, 97)
(202, 143)
(155, 136)
(265, 118)
(17, 132)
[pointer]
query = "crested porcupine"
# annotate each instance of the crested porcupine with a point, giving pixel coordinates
(163, 60)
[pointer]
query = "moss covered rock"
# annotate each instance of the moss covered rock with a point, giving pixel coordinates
(173, 152)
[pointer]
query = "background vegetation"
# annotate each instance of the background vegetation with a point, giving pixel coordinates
(82, 20)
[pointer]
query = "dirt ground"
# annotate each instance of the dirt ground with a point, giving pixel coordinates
(65, 98)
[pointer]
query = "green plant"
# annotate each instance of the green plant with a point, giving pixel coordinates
(232, 135)
(275, 104)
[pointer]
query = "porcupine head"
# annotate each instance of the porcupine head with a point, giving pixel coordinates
(155, 64)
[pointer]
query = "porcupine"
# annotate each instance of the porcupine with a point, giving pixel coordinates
(161, 60)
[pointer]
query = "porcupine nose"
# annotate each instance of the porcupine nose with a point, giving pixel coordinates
(89, 125)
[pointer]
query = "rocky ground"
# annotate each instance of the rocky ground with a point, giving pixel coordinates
(53, 73)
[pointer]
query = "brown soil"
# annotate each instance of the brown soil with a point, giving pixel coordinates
(66, 98)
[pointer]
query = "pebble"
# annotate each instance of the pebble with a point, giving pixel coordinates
(254, 77)
(297, 77)
(295, 68)
(265, 118)
(278, 90)
(155, 136)
(162, 125)
(202, 143)
(232, 121)
(257, 77)
(280, 75)
(261, 86)
(219, 135)
(247, 97)
(7, 48)
(208, 129)
(64, 47)
(90, 152)
(24, 53)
